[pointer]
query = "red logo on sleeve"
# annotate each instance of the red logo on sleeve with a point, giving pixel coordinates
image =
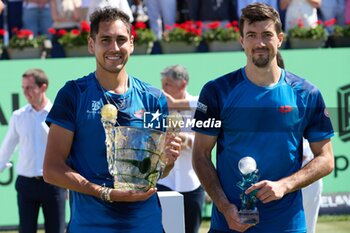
(285, 109)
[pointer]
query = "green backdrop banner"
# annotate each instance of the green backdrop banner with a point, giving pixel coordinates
(328, 69)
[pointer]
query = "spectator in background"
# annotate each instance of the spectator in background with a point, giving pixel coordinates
(137, 8)
(300, 12)
(182, 177)
(243, 3)
(13, 14)
(122, 5)
(161, 13)
(66, 16)
(37, 16)
(311, 193)
(2, 6)
(347, 12)
(28, 129)
(182, 12)
(84, 8)
(333, 9)
(208, 10)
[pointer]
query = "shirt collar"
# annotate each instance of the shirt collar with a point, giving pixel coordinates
(47, 107)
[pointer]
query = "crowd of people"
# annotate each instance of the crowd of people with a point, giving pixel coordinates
(40, 15)
(251, 104)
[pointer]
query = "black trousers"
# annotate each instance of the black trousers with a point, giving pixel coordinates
(33, 193)
(193, 202)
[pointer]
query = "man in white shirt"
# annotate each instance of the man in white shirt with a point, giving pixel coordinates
(27, 129)
(2, 6)
(311, 193)
(182, 177)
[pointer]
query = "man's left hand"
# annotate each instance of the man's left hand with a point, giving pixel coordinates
(268, 190)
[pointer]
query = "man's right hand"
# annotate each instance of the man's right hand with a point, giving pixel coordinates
(232, 218)
(131, 195)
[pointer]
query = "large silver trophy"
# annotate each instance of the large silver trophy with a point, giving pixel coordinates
(248, 213)
(135, 156)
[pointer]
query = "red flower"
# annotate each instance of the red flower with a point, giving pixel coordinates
(85, 26)
(142, 34)
(2, 32)
(14, 30)
(330, 22)
(75, 32)
(199, 24)
(168, 27)
(61, 32)
(300, 23)
(24, 33)
(234, 23)
(140, 25)
(228, 25)
(319, 22)
(189, 32)
(52, 31)
(214, 25)
(176, 25)
(133, 32)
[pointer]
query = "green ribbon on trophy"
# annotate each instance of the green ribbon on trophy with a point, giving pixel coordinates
(248, 213)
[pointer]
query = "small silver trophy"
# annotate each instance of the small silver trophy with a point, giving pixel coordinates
(248, 213)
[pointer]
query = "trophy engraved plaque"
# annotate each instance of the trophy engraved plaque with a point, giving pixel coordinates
(248, 213)
(135, 156)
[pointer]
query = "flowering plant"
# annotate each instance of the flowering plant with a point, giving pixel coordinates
(301, 32)
(342, 31)
(25, 38)
(142, 34)
(2, 35)
(189, 32)
(215, 32)
(73, 38)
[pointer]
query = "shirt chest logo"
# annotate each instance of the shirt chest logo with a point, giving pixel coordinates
(285, 109)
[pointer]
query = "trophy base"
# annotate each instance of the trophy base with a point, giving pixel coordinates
(131, 186)
(249, 216)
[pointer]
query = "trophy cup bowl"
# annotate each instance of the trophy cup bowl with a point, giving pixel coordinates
(136, 160)
(248, 213)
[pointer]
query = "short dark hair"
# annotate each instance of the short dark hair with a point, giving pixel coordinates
(257, 12)
(39, 76)
(107, 14)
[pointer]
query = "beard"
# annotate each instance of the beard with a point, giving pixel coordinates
(261, 61)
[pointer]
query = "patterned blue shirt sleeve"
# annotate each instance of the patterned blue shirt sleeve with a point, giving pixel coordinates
(319, 126)
(208, 109)
(64, 108)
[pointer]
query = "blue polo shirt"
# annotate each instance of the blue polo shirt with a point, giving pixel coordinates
(268, 124)
(77, 108)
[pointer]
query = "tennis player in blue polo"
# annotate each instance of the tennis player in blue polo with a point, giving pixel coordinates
(264, 111)
(76, 151)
